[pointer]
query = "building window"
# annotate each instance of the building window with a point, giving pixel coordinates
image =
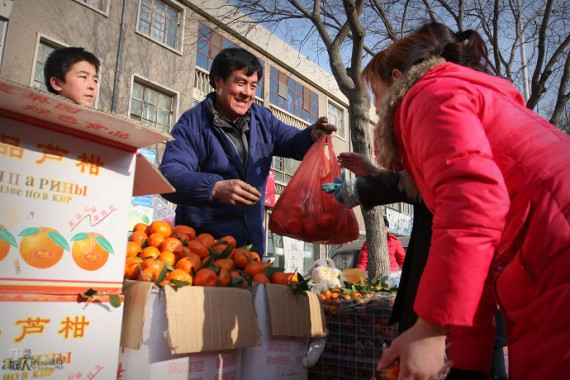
(161, 22)
(3, 28)
(290, 95)
(152, 107)
(275, 249)
(210, 43)
(99, 5)
(408, 209)
(284, 168)
(45, 48)
(336, 117)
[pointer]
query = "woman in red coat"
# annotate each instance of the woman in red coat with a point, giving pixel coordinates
(496, 176)
(396, 252)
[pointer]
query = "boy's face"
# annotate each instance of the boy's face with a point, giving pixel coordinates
(80, 85)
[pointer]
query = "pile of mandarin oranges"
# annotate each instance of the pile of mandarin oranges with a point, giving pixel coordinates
(174, 256)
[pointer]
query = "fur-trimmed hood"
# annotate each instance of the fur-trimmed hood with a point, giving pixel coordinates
(386, 146)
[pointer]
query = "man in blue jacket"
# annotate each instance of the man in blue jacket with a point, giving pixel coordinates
(220, 159)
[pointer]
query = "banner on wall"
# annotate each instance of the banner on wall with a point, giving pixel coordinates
(270, 190)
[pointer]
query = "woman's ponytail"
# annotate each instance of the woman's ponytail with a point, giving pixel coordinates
(465, 48)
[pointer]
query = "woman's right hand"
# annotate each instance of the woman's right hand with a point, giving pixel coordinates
(421, 351)
(357, 163)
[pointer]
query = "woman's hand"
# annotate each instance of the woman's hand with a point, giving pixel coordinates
(421, 351)
(357, 163)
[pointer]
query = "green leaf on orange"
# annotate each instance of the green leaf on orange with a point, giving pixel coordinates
(105, 244)
(29, 231)
(58, 239)
(8, 237)
(80, 236)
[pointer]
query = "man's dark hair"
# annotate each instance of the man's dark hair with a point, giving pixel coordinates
(60, 61)
(231, 59)
(386, 223)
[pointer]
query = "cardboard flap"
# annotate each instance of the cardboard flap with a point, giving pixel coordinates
(136, 298)
(294, 315)
(210, 319)
(148, 179)
(62, 114)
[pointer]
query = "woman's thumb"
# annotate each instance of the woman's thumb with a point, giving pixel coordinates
(389, 355)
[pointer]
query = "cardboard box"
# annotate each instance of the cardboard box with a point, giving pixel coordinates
(67, 174)
(292, 314)
(193, 318)
(286, 321)
(56, 337)
(142, 365)
(193, 333)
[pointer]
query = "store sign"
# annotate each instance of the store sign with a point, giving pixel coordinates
(400, 224)
(293, 254)
(270, 190)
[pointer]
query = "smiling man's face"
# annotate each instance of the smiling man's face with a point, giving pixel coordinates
(235, 94)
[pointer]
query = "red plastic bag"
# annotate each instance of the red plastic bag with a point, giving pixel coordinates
(307, 213)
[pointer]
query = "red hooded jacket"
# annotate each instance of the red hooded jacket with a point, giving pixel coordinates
(396, 253)
(496, 176)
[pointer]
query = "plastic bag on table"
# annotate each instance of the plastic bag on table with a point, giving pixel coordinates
(307, 213)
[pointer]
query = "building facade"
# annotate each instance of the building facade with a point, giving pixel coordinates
(155, 59)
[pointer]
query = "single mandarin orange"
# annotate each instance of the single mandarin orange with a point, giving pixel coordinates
(182, 229)
(241, 257)
(167, 257)
(189, 263)
(217, 249)
(139, 237)
(205, 277)
(148, 274)
(223, 278)
(254, 256)
(292, 277)
(227, 264)
(155, 240)
(180, 275)
(237, 274)
(206, 239)
(150, 252)
(229, 240)
(90, 253)
(279, 278)
(253, 268)
(133, 260)
(172, 245)
(132, 271)
(40, 250)
(198, 248)
(133, 249)
(160, 227)
(4, 245)
(141, 227)
(184, 238)
(260, 277)
(152, 263)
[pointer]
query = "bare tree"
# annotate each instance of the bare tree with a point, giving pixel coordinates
(349, 32)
